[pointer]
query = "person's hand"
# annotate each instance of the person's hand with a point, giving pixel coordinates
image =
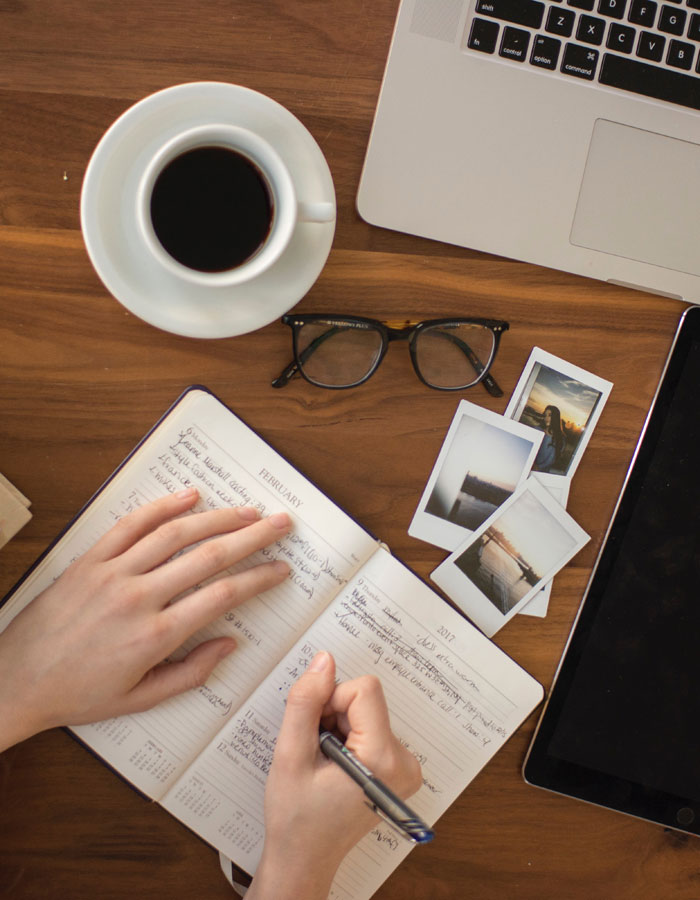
(92, 645)
(314, 812)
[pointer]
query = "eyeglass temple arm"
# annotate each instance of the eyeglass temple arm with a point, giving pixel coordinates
(292, 369)
(488, 381)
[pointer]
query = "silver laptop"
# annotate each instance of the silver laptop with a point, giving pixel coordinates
(562, 133)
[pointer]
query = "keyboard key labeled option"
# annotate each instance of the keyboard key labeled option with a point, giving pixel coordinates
(560, 21)
(483, 35)
(621, 38)
(519, 12)
(514, 43)
(651, 46)
(591, 30)
(680, 55)
(545, 52)
(651, 81)
(579, 61)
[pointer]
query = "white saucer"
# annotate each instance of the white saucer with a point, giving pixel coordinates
(108, 213)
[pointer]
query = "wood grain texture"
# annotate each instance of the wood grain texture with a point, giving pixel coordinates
(81, 380)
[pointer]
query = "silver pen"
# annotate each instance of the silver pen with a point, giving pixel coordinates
(381, 800)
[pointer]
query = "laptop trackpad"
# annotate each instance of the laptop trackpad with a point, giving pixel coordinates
(640, 198)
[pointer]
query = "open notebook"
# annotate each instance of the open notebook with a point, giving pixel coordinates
(455, 698)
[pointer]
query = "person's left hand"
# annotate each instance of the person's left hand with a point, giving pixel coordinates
(92, 645)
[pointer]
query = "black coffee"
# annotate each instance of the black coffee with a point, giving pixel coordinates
(211, 209)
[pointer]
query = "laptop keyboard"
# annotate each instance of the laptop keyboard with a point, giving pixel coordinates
(646, 47)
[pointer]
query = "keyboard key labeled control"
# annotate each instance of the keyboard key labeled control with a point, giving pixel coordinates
(545, 52)
(519, 12)
(651, 81)
(560, 21)
(514, 43)
(483, 35)
(579, 61)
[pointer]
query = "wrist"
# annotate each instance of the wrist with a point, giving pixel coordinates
(289, 877)
(17, 722)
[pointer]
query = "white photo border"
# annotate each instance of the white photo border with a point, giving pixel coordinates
(467, 596)
(519, 398)
(439, 531)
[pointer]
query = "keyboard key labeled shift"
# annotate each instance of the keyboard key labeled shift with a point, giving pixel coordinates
(519, 12)
(514, 43)
(545, 52)
(483, 35)
(579, 61)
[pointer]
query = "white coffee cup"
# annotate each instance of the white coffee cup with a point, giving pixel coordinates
(288, 210)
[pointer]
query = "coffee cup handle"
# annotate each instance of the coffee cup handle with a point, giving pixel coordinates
(316, 212)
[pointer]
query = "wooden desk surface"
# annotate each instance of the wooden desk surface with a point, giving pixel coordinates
(81, 380)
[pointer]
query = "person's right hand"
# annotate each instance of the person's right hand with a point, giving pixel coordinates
(314, 812)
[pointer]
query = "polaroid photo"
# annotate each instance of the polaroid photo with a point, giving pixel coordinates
(565, 403)
(559, 489)
(504, 564)
(483, 459)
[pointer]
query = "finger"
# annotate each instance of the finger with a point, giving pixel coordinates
(360, 709)
(216, 598)
(167, 680)
(297, 743)
(134, 526)
(177, 534)
(215, 556)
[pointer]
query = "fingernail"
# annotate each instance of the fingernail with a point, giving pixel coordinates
(320, 661)
(249, 513)
(187, 492)
(280, 520)
(281, 567)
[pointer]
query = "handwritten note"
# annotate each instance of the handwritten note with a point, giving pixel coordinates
(454, 700)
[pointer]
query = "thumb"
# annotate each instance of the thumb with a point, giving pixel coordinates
(298, 737)
(167, 680)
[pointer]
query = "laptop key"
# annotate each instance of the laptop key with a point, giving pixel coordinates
(621, 38)
(560, 21)
(514, 43)
(651, 46)
(591, 30)
(694, 28)
(483, 35)
(680, 55)
(650, 81)
(519, 12)
(579, 61)
(672, 20)
(545, 52)
(642, 12)
(615, 9)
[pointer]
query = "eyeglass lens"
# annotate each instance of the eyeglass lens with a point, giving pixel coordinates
(448, 356)
(336, 355)
(453, 355)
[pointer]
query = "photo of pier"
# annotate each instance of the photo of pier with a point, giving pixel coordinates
(511, 557)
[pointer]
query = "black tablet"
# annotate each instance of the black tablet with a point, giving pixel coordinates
(621, 727)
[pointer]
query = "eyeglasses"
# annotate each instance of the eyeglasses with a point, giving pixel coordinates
(344, 351)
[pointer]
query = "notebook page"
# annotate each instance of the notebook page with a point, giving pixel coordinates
(454, 699)
(197, 445)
